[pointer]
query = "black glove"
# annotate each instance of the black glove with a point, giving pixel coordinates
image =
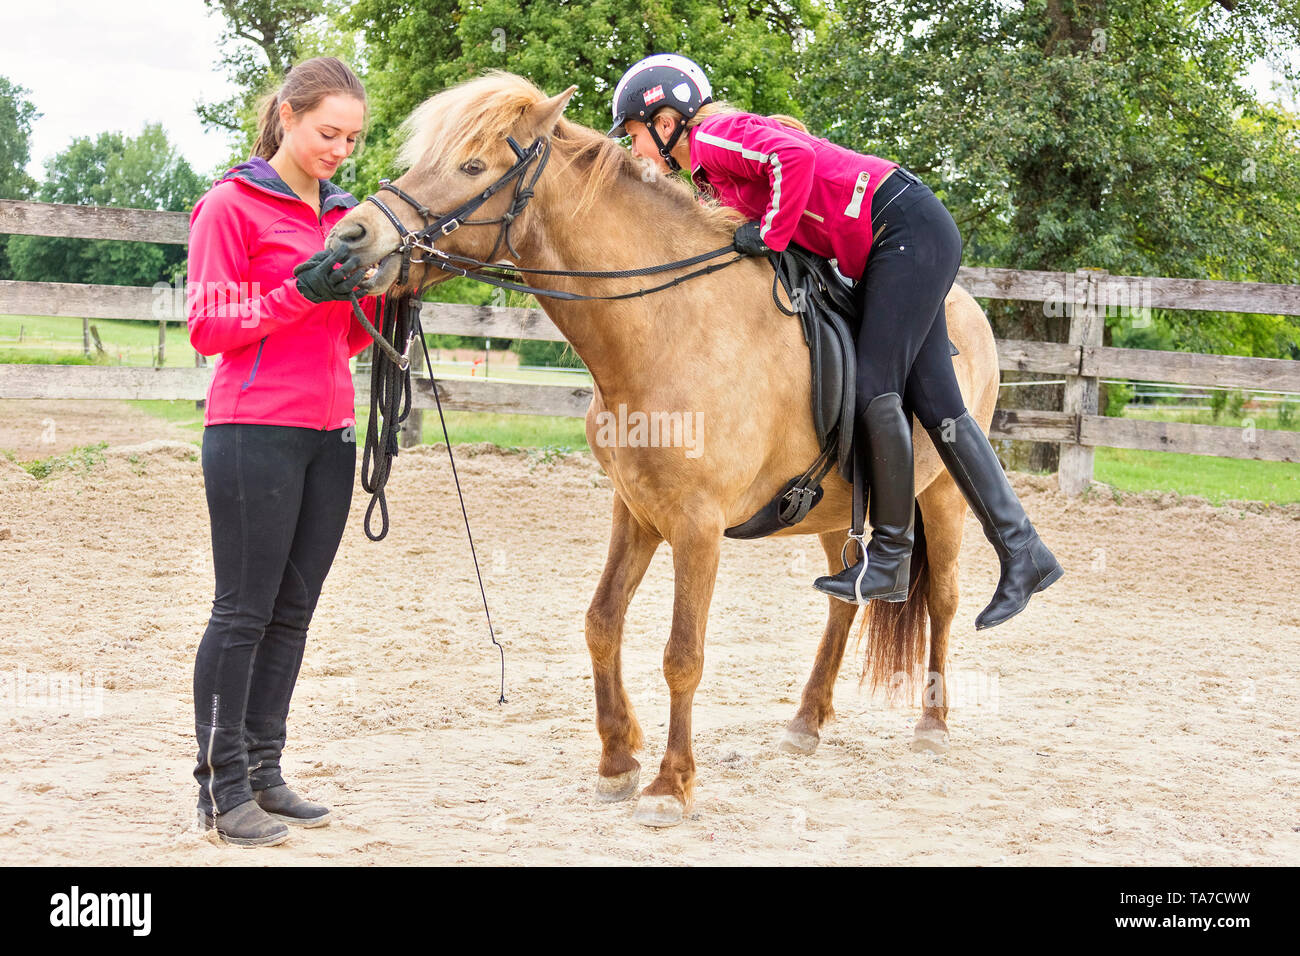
(747, 241)
(319, 281)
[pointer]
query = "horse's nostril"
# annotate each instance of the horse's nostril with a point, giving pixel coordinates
(351, 232)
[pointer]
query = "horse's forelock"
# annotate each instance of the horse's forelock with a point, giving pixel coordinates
(460, 122)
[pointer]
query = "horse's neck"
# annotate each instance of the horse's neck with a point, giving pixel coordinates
(626, 228)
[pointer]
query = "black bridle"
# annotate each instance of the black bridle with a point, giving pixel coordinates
(493, 273)
(445, 225)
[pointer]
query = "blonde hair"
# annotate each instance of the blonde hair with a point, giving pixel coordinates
(722, 106)
(305, 85)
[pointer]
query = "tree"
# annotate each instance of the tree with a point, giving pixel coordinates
(111, 170)
(16, 117)
(1115, 134)
(261, 41)
(415, 48)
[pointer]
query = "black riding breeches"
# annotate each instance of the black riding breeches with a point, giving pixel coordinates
(903, 337)
(278, 498)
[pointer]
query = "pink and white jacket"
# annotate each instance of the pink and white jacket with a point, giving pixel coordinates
(284, 358)
(797, 186)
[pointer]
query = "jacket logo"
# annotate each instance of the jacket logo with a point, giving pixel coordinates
(654, 94)
(281, 232)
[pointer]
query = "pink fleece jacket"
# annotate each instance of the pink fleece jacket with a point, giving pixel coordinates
(284, 359)
(797, 186)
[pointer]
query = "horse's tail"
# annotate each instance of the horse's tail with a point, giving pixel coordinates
(897, 631)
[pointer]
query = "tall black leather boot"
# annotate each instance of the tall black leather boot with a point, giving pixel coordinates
(883, 574)
(1027, 564)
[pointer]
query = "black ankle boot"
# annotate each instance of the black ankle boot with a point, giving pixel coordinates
(283, 804)
(883, 573)
(1027, 564)
(245, 825)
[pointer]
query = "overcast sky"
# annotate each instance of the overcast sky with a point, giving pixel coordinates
(118, 64)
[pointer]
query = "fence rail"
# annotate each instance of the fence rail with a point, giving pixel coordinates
(1084, 296)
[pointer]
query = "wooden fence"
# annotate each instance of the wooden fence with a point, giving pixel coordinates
(1086, 297)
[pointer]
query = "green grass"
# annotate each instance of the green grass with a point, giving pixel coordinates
(508, 431)
(85, 458)
(181, 413)
(1165, 413)
(55, 339)
(1216, 479)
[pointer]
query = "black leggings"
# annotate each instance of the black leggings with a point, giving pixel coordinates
(278, 498)
(903, 339)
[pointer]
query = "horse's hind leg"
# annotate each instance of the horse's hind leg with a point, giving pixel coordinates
(630, 549)
(944, 511)
(695, 569)
(802, 734)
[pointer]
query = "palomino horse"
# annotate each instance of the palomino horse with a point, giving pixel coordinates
(716, 347)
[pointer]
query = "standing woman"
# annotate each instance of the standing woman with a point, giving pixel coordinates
(279, 446)
(888, 232)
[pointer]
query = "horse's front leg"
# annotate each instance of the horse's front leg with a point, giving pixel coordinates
(803, 733)
(630, 549)
(695, 569)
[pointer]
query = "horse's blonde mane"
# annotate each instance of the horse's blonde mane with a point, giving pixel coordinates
(462, 121)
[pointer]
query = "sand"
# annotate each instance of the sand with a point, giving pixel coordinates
(1142, 711)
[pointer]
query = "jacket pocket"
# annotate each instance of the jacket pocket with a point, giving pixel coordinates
(256, 361)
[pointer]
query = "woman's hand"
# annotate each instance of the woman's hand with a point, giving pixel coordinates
(319, 281)
(747, 241)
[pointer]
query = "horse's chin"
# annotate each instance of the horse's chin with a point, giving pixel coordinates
(382, 277)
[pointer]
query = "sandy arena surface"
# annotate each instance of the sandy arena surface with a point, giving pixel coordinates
(1142, 711)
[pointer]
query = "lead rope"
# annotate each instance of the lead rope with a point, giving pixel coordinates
(390, 393)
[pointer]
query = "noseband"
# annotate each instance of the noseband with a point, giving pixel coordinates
(436, 226)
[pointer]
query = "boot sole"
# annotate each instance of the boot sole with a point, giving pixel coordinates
(896, 597)
(205, 823)
(306, 823)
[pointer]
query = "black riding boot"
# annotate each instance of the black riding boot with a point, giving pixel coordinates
(884, 572)
(1027, 564)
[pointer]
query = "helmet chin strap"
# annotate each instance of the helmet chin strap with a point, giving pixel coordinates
(666, 149)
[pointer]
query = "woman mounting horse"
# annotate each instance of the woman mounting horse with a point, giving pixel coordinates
(716, 347)
(889, 232)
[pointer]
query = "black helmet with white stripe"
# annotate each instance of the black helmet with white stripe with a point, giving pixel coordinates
(665, 79)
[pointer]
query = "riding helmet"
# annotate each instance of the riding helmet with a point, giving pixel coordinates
(665, 79)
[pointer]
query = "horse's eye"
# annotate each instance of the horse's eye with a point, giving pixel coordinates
(473, 167)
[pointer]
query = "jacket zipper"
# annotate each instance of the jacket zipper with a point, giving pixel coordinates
(256, 361)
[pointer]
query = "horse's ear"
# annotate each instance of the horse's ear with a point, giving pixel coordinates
(544, 115)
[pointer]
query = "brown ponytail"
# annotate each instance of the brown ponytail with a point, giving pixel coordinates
(305, 85)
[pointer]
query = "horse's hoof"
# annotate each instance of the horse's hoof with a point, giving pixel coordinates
(933, 740)
(798, 742)
(658, 811)
(614, 789)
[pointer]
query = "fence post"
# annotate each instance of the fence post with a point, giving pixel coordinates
(1087, 322)
(413, 428)
(85, 337)
(162, 342)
